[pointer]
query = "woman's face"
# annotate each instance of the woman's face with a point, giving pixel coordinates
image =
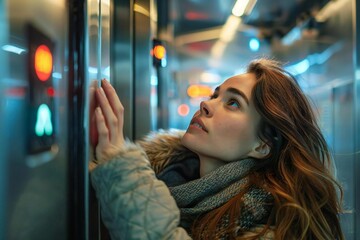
(225, 126)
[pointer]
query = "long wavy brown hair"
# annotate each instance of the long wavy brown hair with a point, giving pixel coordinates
(297, 172)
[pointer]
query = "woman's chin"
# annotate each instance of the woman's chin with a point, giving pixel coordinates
(191, 142)
(188, 141)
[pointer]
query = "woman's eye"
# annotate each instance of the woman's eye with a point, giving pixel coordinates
(214, 96)
(233, 103)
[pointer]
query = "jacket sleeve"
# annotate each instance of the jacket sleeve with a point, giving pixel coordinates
(134, 203)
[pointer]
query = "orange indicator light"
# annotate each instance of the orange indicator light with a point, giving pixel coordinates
(43, 62)
(196, 91)
(159, 51)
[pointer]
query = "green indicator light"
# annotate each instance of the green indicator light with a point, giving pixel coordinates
(43, 121)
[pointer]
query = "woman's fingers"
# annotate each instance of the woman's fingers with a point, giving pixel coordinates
(109, 118)
(104, 148)
(113, 98)
(110, 137)
(115, 104)
(102, 129)
(107, 111)
(112, 111)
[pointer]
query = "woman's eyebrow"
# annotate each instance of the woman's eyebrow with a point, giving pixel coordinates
(236, 92)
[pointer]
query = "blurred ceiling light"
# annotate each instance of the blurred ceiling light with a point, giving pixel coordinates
(218, 49)
(316, 58)
(330, 9)
(153, 13)
(299, 68)
(242, 7)
(250, 7)
(210, 77)
(13, 49)
(292, 36)
(198, 36)
(227, 34)
(254, 44)
(230, 28)
(140, 9)
(59, 4)
(106, 2)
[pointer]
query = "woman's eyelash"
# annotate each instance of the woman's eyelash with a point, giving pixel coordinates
(215, 95)
(230, 102)
(234, 101)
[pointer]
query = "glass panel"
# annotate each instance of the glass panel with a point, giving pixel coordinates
(105, 39)
(93, 40)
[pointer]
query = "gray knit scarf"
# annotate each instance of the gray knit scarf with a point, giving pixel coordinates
(196, 196)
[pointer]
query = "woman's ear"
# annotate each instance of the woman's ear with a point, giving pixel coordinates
(261, 150)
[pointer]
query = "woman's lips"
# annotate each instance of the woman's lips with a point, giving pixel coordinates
(196, 122)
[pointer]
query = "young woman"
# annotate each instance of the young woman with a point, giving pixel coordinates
(251, 165)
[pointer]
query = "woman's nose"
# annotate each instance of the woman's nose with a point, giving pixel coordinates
(205, 109)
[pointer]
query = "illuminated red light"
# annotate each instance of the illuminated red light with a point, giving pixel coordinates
(43, 62)
(50, 91)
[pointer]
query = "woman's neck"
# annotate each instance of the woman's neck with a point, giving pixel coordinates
(208, 165)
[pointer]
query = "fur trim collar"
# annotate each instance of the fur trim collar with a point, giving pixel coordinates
(163, 147)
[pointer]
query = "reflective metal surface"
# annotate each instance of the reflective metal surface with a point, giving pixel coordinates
(122, 59)
(97, 68)
(4, 74)
(356, 46)
(36, 204)
(331, 85)
(142, 64)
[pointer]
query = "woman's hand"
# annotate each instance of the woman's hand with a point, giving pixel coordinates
(109, 122)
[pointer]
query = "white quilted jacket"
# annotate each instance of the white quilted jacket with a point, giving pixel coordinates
(134, 203)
